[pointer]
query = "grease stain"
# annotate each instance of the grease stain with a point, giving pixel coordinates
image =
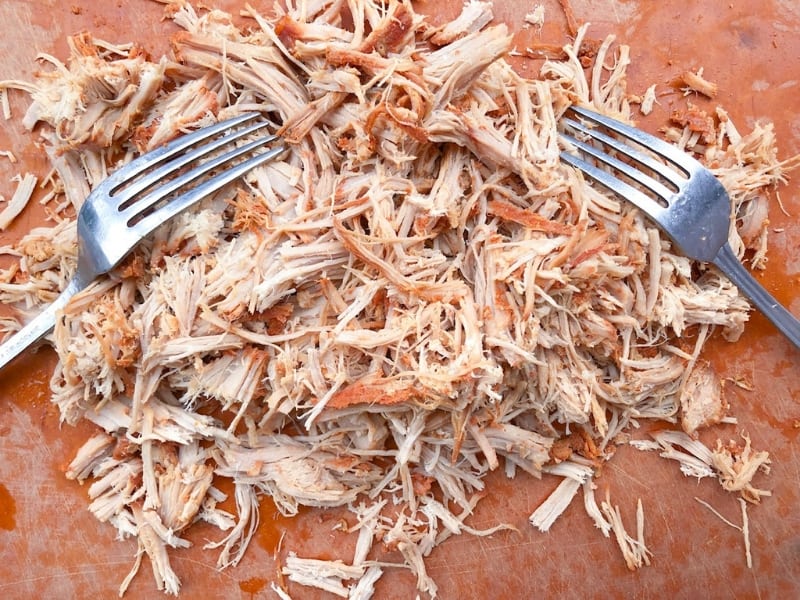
(253, 585)
(8, 509)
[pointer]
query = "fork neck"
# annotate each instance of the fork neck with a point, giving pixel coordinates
(85, 272)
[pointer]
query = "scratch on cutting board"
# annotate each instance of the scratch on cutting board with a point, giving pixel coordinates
(744, 527)
(25, 433)
(211, 567)
(789, 14)
(467, 563)
(624, 474)
(100, 567)
(17, 17)
(612, 10)
(767, 540)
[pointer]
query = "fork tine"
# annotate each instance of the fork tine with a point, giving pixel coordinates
(659, 146)
(151, 221)
(142, 204)
(631, 172)
(627, 191)
(676, 179)
(176, 146)
(127, 190)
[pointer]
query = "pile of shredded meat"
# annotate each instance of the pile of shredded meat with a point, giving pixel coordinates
(416, 294)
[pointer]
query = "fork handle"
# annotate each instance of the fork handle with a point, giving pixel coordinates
(39, 326)
(785, 321)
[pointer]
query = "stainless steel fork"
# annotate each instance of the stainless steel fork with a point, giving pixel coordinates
(137, 198)
(678, 193)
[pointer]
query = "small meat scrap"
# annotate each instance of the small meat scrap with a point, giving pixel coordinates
(536, 16)
(648, 100)
(692, 81)
(701, 400)
(738, 464)
(696, 121)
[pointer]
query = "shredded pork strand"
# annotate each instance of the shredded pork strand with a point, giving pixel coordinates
(416, 294)
(18, 202)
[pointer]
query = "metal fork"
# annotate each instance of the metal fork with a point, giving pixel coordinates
(137, 198)
(678, 193)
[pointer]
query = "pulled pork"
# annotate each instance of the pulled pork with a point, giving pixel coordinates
(417, 293)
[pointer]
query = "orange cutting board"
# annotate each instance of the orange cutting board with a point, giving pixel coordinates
(50, 546)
